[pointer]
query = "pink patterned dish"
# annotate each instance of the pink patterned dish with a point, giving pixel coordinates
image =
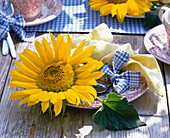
(131, 94)
(156, 43)
(50, 10)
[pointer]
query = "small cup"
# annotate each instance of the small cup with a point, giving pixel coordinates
(30, 9)
(164, 15)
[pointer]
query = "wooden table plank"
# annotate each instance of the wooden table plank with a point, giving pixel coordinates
(5, 62)
(21, 122)
(167, 80)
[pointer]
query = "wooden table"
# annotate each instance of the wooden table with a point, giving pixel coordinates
(19, 121)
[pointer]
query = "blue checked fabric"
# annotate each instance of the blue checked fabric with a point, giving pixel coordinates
(16, 24)
(124, 80)
(76, 16)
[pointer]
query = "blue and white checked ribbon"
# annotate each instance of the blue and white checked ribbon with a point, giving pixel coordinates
(76, 16)
(16, 24)
(121, 81)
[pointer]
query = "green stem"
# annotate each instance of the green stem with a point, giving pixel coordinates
(99, 99)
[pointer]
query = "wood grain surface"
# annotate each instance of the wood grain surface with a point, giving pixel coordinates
(20, 121)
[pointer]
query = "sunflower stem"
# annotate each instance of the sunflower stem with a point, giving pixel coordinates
(99, 99)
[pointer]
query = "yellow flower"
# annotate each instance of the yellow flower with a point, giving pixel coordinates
(121, 7)
(52, 75)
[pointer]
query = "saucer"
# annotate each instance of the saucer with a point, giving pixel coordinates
(50, 10)
(155, 42)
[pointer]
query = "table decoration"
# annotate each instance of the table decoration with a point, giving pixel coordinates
(76, 16)
(155, 42)
(121, 7)
(15, 24)
(49, 11)
(54, 77)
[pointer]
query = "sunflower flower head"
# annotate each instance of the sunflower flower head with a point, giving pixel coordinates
(53, 75)
(121, 8)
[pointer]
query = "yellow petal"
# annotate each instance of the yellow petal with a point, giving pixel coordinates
(58, 106)
(84, 98)
(106, 9)
(93, 63)
(45, 96)
(35, 97)
(97, 6)
(48, 50)
(86, 82)
(72, 97)
(85, 89)
(121, 12)
(96, 75)
(24, 101)
(21, 94)
(25, 70)
(79, 49)
(54, 98)
(33, 57)
(61, 46)
(30, 103)
(23, 85)
(44, 106)
(75, 61)
(68, 49)
(55, 46)
(17, 75)
(28, 63)
(41, 51)
(61, 95)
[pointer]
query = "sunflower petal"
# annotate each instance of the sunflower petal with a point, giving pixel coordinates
(85, 89)
(23, 85)
(54, 98)
(25, 100)
(28, 63)
(33, 57)
(25, 70)
(68, 45)
(41, 51)
(48, 49)
(30, 103)
(44, 106)
(106, 9)
(58, 106)
(86, 82)
(34, 97)
(79, 48)
(93, 63)
(121, 12)
(17, 75)
(75, 99)
(21, 94)
(75, 61)
(46, 96)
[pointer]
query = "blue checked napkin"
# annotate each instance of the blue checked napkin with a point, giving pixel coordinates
(76, 16)
(16, 24)
(121, 81)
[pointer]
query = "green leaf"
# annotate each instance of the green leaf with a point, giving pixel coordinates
(151, 19)
(117, 114)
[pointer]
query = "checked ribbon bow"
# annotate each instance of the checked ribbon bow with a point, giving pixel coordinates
(124, 80)
(16, 24)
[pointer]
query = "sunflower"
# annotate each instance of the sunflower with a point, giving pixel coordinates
(52, 75)
(121, 7)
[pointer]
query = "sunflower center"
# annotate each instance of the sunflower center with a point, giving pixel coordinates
(56, 77)
(117, 1)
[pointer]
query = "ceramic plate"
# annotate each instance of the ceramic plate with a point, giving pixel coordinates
(156, 43)
(50, 10)
(131, 94)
